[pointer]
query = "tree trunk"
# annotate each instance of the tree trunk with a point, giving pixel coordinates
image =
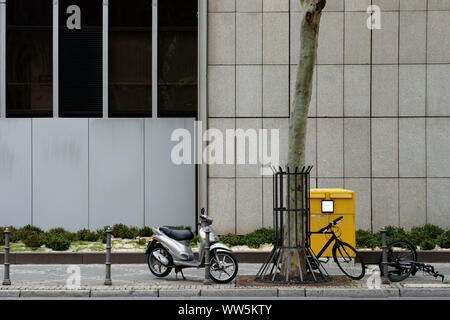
(309, 34)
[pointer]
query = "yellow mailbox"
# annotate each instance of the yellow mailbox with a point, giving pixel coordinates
(326, 206)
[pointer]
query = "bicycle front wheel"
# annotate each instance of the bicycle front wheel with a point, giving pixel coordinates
(349, 260)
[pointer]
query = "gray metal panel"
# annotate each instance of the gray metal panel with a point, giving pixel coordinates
(170, 190)
(15, 172)
(116, 176)
(60, 173)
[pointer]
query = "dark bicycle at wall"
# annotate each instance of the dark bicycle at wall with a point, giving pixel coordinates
(344, 255)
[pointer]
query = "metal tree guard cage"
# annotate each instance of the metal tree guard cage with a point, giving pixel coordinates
(289, 215)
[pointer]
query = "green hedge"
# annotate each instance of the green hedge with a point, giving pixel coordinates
(426, 237)
(34, 239)
(60, 238)
(254, 239)
(444, 240)
(57, 241)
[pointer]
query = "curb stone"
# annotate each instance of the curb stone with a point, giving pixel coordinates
(299, 292)
(123, 293)
(218, 292)
(353, 293)
(425, 292)
(54, 293)
(185, 293)
(9, 293)
(239, 293)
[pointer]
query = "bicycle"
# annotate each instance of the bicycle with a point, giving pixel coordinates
(402, 262)
(346, 257)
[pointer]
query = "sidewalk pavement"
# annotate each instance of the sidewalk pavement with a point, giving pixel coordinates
(35, 281)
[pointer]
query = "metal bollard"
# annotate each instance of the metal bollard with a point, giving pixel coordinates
(108, 280)
(384, 263)
(207, 258)
(6, 279)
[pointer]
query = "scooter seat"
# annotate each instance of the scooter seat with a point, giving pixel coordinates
(177, 234)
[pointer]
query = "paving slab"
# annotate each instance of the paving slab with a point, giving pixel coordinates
(426, 285)
(9, 293)
(135, 280)
(425, 292)
(352, 292)
(54, 293)
(179, 293)
(123, 293)
(241, 292)
(297, 292)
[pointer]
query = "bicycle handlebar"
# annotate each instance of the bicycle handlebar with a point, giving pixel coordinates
(337, 220)
(331, 224)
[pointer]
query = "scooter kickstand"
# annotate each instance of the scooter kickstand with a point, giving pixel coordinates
(180, 271)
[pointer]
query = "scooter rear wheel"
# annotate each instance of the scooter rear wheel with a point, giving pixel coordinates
(156, 267)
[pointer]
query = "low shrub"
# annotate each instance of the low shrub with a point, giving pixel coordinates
(133, 233)
(102, 234)
(2, 236)
(253, 241)
(418, 235)
(33, 239)
(366, 239)
(443, 240)
(232, 239)
(86, 235)
(57, 242)
(145, 232)
(14, 235)
(428, 244)
(259, 237)
(196, 240)
(122, 231)
(63, 233)
(395, 233)
(426, 232)
(21, 234)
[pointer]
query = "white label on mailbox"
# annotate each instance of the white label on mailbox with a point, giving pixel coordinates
(327, 206)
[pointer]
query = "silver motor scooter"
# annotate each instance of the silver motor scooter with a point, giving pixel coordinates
(170, 248)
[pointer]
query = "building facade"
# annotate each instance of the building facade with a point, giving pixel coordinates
(379, 117)
(91, 92)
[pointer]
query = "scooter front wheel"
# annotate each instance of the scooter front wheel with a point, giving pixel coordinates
(224, 267)
(156, 267)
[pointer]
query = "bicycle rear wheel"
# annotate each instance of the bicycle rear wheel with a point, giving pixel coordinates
(400, 258)
(349, 260)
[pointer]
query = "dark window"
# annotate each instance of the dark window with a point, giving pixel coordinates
(29, 58)
(177, 58)
(130, 58)
(81, 59)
